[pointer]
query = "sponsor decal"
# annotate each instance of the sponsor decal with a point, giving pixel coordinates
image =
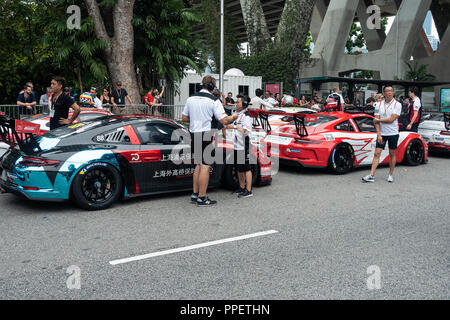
(293, 150)
(76, 125)
(175, 157)
(27, 127)
(88, 167)
(174, 173)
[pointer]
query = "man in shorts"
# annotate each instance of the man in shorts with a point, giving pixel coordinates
(386, 122)
(199, 112)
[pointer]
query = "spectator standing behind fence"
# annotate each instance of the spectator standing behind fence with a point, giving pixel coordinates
(26, 102)
(60, 104)
(149, 99)
(105, 99)
(118, 97)
(45, 99)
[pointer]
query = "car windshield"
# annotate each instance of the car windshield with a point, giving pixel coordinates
(438, 117)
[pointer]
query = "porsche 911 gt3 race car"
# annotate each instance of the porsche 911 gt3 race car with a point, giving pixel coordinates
(336, 140)
(436, 133)
(98, 162)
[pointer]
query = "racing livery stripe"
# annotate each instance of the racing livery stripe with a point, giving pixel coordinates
(141, 156)
(132, 135)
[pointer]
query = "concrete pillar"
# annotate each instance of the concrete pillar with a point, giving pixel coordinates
(319, 13)
(333, 34)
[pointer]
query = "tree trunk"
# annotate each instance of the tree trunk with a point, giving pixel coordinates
(119, 55)
(293, 29)
(256, 26)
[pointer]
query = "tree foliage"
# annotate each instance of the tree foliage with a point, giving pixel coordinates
(419, 72)
(35, 44)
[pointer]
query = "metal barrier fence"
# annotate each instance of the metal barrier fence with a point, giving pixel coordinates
(172, 112)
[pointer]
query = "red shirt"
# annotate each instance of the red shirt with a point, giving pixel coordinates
(148, 98)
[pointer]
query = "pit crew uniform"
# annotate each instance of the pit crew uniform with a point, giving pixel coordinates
(416, 105)
(201, 108)
(242, 142)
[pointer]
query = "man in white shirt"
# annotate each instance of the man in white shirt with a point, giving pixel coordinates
(386, 122)
(415, 110)
(242, 129)
(269, 99)
(199, 112)
(257, 102)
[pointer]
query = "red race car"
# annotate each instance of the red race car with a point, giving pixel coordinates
(336, 140)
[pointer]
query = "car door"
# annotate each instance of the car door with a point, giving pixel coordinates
(368, 135)
(165, 160)
(126, 147)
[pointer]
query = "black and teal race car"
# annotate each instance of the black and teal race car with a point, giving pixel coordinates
(97, 162)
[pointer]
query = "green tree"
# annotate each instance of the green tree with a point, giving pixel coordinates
(164, 43)
(419, 72)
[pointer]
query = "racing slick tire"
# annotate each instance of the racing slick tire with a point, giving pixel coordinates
(415, 153)
(342, 159)
(231, 180)
(96, 187)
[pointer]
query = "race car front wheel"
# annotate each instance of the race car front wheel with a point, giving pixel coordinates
(342, 159)
(96, 187)
(415, 153)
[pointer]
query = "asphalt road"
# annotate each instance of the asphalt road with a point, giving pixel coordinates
(330, 230)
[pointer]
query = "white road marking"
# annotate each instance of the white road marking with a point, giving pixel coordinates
(196, 246)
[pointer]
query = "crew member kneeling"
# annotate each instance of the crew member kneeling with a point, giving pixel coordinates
(242, 128)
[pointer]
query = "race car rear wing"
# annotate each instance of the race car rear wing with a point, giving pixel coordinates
(261, 117)
(21, 133)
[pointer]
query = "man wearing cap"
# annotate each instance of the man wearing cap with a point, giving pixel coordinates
(199, 112)
(118, 96)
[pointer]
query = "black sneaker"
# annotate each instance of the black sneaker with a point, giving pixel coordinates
(194, 198)
(238, 191)
(246, 194)
(205, 202)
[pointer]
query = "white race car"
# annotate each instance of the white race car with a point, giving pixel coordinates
(435, 133)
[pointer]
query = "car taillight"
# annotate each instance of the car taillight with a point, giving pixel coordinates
(445, 133)
(306, 140)
(37, 162)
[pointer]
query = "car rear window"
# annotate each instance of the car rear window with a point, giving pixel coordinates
(74, 129)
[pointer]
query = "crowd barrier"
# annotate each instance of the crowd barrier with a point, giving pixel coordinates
(172, 112)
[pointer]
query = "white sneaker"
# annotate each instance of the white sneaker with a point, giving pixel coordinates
(369, 178)
(390, 179)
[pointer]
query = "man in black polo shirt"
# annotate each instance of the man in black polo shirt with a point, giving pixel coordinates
(60, 105)
(118, 96)
(26, 101)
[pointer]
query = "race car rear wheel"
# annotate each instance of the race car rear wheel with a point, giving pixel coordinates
(231, 180)
(415, 153)
(97, 186)
(342, 159)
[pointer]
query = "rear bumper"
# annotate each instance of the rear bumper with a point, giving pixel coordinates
(40, 195)
(295, 162)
